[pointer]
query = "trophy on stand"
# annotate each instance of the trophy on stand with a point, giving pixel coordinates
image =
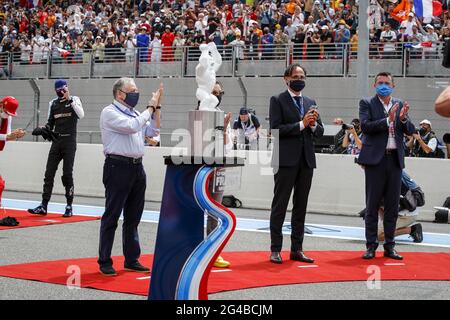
(183, 256)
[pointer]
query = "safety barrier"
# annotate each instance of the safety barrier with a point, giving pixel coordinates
(239, 59)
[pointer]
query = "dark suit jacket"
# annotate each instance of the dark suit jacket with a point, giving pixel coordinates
(292, 142)
(375, 131)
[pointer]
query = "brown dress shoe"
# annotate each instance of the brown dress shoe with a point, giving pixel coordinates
(300, 256)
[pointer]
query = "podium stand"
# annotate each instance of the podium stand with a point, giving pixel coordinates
(183, 257)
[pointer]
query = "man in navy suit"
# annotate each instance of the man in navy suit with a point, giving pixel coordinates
(295, 119)
(384, 120)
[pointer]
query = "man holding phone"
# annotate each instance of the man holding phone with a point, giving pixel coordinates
(295, 119)
(63, 115)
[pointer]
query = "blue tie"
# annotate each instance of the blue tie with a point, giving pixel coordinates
(299, 105)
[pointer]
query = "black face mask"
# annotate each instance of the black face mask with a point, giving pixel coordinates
(422, 131)
(60, 93)
(297, 85)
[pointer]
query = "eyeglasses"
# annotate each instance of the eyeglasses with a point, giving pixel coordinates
(218, 93)
(386, 83)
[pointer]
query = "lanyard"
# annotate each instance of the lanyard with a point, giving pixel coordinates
(130, 115)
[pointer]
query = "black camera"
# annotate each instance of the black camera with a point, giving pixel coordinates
(446, 138)
(347, 126)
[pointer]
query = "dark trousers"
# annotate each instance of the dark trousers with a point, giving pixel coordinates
(125, 185)
(287, 178)
(382, 183)
(63, 149)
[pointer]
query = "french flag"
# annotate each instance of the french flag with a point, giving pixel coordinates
(428, 8)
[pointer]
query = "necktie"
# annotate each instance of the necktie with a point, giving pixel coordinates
(299, 105)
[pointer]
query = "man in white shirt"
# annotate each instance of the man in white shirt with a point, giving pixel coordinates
(124, 177)
(388, 37)
(408, 24)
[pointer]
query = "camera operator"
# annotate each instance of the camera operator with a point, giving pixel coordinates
(425, 143)
(352, 138)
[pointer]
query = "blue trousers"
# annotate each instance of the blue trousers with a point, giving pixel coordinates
(125, 185)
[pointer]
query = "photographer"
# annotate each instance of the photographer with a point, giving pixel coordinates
(425, 143)
(352, 138)
(411, 198)
(246, 130)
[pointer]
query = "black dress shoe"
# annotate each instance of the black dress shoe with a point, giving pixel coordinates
(275, 257)
(108, 271)
(68, 213)
(300, 256)
(369, 254)
(136, 267)
(39, 210)
(392, 253)
(417, 233)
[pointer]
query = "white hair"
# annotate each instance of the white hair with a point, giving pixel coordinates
(120, 83)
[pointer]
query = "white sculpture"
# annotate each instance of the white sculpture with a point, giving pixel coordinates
(205, 75)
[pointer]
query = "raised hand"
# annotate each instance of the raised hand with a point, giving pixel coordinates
(404, 111)
(393, 112)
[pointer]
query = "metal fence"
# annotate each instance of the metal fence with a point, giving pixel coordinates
(401, 59)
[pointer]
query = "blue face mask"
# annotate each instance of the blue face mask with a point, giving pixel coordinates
(384, 90)
(132, 99)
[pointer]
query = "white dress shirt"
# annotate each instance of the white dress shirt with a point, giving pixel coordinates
(122, 130)
(391, 144)
(302, 126)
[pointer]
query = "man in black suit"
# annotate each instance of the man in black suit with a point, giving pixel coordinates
(384, 120)
(295, 119)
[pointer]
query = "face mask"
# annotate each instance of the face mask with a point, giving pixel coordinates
(422, 131)
(219, 97)
(132, 99)
(297, 85)
(60, 93)
(384, 90)
(342, 27)
(3, 115)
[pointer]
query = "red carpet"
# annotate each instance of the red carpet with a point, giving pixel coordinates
(248, 270)
(31, 220)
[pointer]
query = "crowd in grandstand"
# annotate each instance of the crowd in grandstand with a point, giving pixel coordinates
(112, 29)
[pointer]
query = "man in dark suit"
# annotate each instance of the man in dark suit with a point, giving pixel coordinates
(295, 120)
(384, 120)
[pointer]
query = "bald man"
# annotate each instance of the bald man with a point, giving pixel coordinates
(442, 104)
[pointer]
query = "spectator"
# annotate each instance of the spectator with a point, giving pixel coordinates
(388, 37)
(167, 42)
(238, 46)
(267, 41)
(178, 44)
(156, 48)
(25, 48)
(98, 49)
(408, 24)
(290, 30)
